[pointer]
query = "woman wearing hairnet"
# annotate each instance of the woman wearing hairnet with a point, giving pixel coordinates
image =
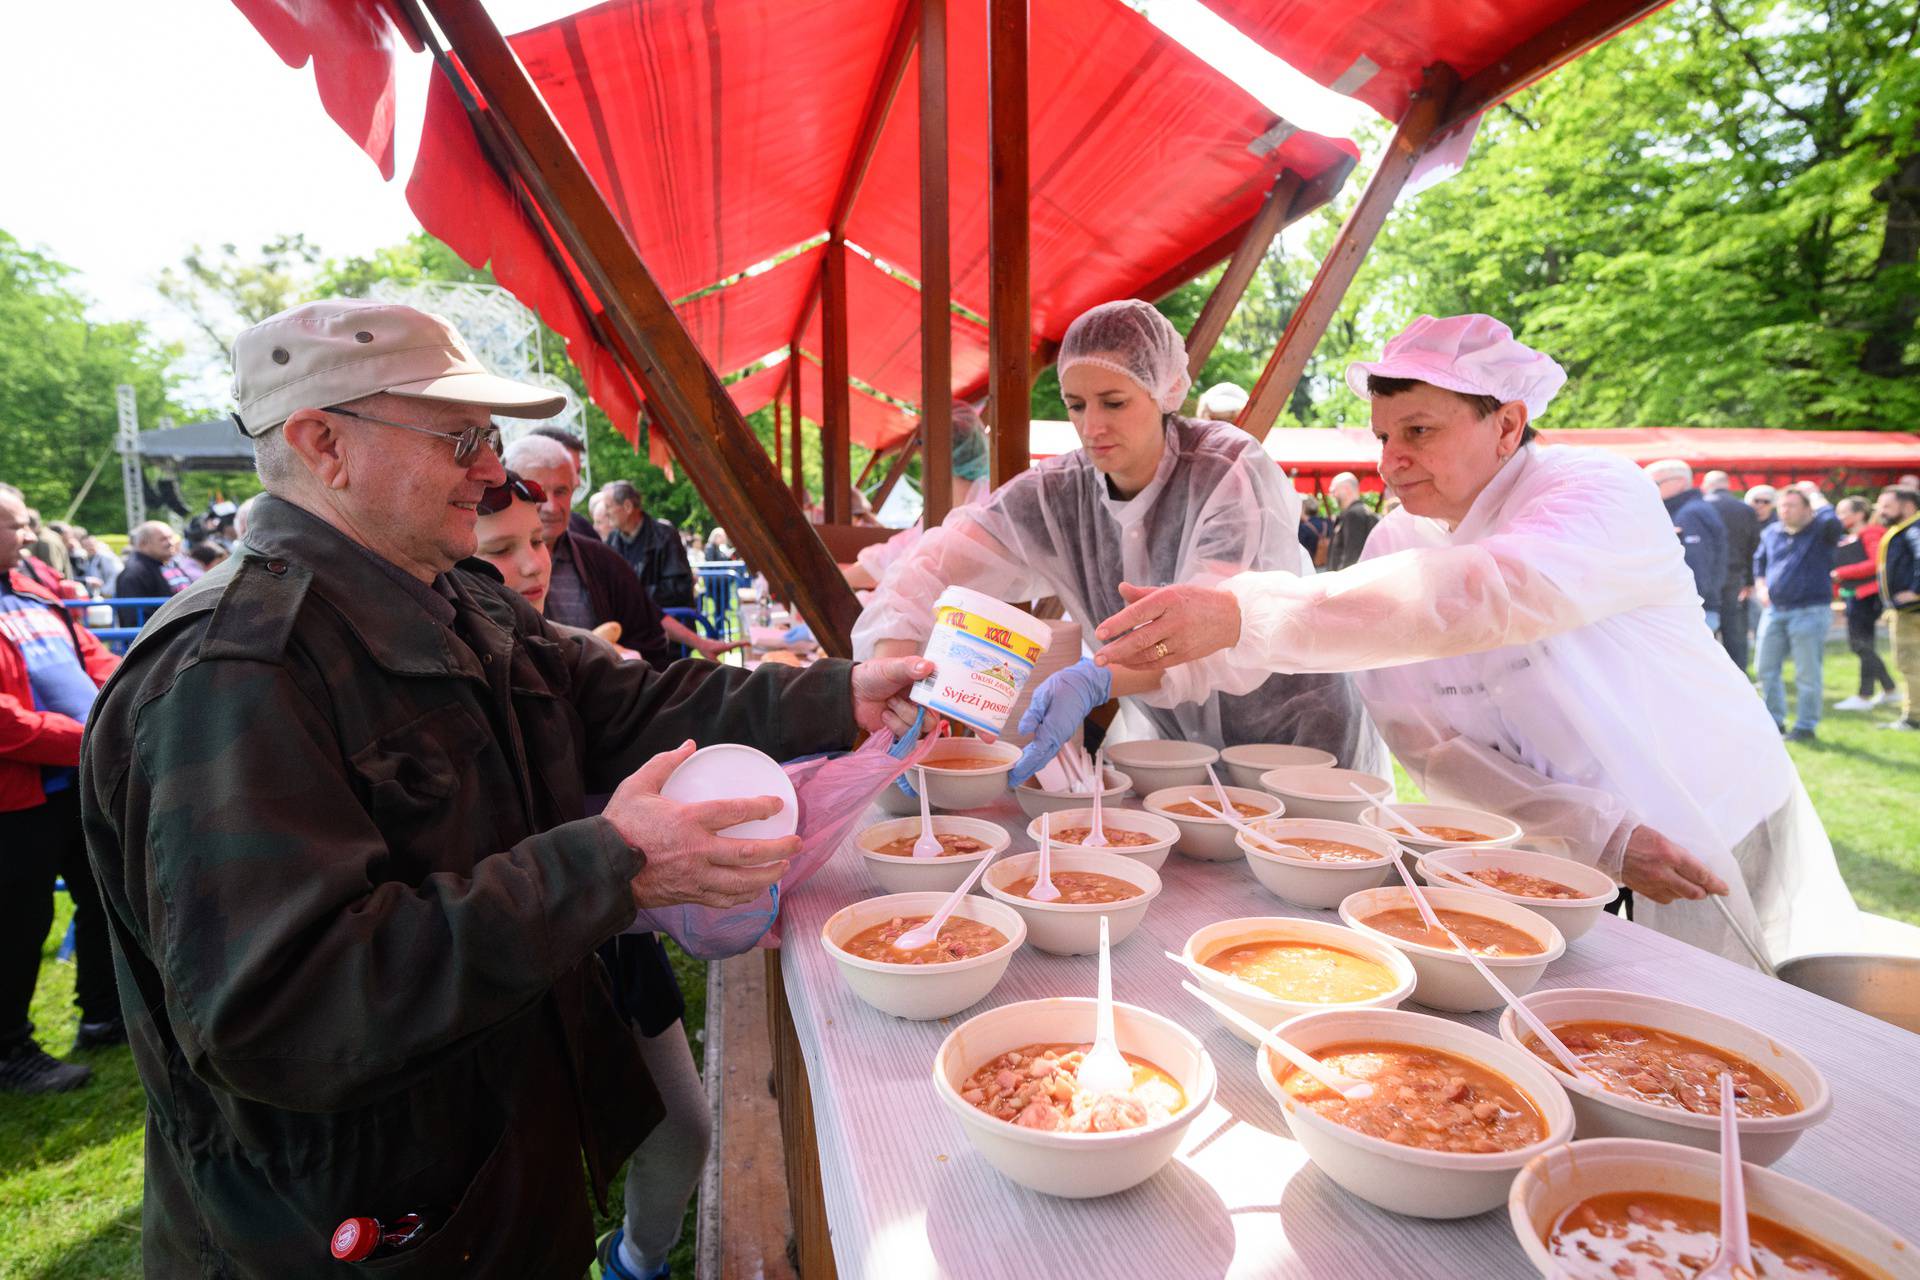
(1150, 497)
(969, 486)
(1531, 643)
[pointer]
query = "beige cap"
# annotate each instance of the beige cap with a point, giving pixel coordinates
(327, 353)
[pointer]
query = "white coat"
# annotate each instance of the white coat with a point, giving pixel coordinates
(1548, 660)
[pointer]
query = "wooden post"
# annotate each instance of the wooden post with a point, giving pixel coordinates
(1310, 319)
(1009, 305)
(894, 472)
(1226, 295)
(873, 458)
(936, 274)
(796, 448)
(836, 440)
(708, 435)
(806, 1196)
(779, 435)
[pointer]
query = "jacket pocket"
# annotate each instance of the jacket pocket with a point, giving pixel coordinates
(411, 771)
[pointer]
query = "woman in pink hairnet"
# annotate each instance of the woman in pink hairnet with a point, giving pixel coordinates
(1531, 643)
(1150, 496)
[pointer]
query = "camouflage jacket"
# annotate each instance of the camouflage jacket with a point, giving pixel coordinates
(354, 904)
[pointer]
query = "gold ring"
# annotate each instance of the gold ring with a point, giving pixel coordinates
(1160, 650)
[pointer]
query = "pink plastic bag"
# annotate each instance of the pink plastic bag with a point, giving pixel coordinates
(833, 793)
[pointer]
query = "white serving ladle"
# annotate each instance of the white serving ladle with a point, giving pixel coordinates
(1735, 1257)
(1097, 836)
(1103, 1069)
(1346, 1086)
(928, 845)
(1539, 1028)
(1754, 949)
(1044, 889)
(922, 935)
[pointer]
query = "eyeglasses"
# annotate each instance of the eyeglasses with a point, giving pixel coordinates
(501, 496)
(466, 444)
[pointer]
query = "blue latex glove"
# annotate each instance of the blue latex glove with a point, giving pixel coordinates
(1063, 700)
(797, 633)
(900, 750)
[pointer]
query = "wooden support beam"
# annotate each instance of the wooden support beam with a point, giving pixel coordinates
(873, 458)
(779, 434)
(705, 429)
(1226, 295)
(1593, 23)
(898, 469)
(1009, 237)
(806, 1193)
(893, 70)
(936, 275)
(796, 448)
(836, 392)
(1310, 319)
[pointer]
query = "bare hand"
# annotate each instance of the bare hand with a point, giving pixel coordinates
(880, 693)
(686, 861)
(1746, 593)
(1659, 869)
(713, 648)
(1165, 627)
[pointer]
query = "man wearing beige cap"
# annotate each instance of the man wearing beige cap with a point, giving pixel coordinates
(335, 799)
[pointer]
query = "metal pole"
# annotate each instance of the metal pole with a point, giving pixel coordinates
(128, 442)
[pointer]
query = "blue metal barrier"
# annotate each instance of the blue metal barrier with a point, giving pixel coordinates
(118, 637)
(720, 580)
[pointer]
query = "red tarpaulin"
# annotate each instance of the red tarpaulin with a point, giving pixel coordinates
(722, 130)
(1374, 50)
(752, 318)
(874, 422)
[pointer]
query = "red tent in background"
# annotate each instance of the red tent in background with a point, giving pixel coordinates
(1750, 455)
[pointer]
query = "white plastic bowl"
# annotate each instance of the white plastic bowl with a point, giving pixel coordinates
(1246, 762)
(1270, 1011)
(1448, 979)
(921, 991)
(1034, 801)
(1557, 1180)
(1409, 1180)
(1603, 1114)
(1500, 831)
(1074, 1165)
(1322, 885)
(968, 788)
(1318, 792)
(1209, 839)
(1069, 929)
(897, 874)
(1157, 763)
(1154, 855)
(1571, 916)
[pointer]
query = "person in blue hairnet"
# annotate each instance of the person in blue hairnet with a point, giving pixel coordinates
(1149, 497)
(969, 486)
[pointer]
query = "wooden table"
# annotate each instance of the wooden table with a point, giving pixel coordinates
(903, 1194)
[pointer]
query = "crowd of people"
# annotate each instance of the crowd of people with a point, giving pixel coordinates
(355, 830)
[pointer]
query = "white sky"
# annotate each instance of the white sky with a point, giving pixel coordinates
(183, 128)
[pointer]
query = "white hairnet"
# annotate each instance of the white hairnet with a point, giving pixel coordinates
(1222, 402)
(1473, 354)
(1763, 493)
(1131, 338)
(1546, 660)
(1216, 506)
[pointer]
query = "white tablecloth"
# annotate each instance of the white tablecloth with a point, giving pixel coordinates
(907, 1197)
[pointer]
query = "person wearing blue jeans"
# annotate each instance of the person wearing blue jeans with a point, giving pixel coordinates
(1792, 573)
(1801, 632)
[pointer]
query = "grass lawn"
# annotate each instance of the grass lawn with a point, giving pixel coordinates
(70, 1165)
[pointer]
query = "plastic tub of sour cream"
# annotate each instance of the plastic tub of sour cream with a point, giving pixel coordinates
(983, 651)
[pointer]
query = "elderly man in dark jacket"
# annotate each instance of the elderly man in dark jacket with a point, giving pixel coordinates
(1743, 539)
(1703, 539)
(334, 797)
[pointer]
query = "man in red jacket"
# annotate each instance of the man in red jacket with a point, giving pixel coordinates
(1859, 587)
(50, 670)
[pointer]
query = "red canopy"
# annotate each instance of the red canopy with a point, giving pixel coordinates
(1750, 455)
(722, 132)
(1374, 50)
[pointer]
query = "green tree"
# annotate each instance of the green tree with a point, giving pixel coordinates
(58, 372)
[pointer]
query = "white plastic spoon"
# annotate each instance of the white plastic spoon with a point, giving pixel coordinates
(1420, 901)
(1199, 970)
(1234, 820)
(1735, 1257)
(925, 934)
(1380, 803)
(1347, 1087)
(1043, 887)
(928, 845)
(1097, 837)
(1103, 1070)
